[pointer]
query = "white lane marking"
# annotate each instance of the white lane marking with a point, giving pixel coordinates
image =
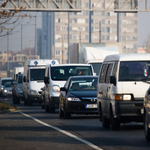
(63, 131)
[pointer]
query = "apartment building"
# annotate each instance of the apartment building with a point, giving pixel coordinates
(84, 27)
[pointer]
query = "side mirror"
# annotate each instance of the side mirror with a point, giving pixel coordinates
(24, 79)
(113, 80)
(42, 88)
(63, 89)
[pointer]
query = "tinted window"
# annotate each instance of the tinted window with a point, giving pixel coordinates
(108, 72)
(4, 81)
(20, 79)
(134, 70)
(103, 73)
(37, 74)
(96, 67)
(8, 84)
(64, 72)
(85, 84)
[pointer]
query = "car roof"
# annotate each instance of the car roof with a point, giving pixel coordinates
(77, 77)
(6, 78)
(70, 65)
(128, 57)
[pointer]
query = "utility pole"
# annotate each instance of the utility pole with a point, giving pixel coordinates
(21, 40)
(8, 72)
(63, 52)
(68, 36)
(118, 23)
(100, 32)
(35, 38)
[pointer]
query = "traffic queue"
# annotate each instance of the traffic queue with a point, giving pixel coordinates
(119, 94)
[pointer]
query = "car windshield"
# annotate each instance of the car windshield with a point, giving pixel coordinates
(4, 81)
(37, 74)
(8, 84)
(134, 70)
(96, 67)
(20, 79)
(86, 84)
(64, 72)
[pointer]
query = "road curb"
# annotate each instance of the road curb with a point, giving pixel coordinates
(7, 110)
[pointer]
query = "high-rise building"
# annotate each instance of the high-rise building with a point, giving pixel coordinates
(84, 27)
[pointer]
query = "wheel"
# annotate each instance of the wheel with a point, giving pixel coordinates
(46, 108)
(67, 115)
(17, 100)
(29, 102)
(105, 122)
(61, 113)
(51, 109)
(25, 101)
(114, 122)
(147, 129)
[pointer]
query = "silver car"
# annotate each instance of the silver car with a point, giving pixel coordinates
(7, 90)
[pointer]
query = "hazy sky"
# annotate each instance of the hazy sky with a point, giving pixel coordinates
(29, 31)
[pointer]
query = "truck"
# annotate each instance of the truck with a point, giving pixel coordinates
(93, 53)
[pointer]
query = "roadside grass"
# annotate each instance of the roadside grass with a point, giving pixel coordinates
(4, 106)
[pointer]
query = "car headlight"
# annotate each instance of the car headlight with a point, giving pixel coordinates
(5, 91)
(126, 97)
(33, 92)
(1, 88)
(56, 88)
(73, 99)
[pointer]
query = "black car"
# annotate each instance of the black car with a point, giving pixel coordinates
(78, 96)
(147, 114)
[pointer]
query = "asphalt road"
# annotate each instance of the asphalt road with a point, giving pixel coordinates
(31, 128)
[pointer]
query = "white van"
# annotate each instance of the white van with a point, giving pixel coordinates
(121, 90)
(33, 79)
(17, 70)
(55, 78)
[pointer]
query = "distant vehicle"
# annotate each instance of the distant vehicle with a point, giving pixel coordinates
(16, 71)
(93, 53)
(78, 96)
(56, 76)
(33, 79)
(2, 82)
(7, 90)
(17, 92)
(147, 112)
(121, 90)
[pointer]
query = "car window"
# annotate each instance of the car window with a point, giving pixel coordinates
(64, 72)
(134, 70)
(37, 74)
(86, 84)
(103, 73)
(20, 79)
(108, 72)
(7, 80)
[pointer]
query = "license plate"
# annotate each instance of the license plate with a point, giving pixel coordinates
(91, 106)
(142, 110)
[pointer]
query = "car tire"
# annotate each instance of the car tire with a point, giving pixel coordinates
(105, 122)
(46, 108)
(51, 109)
(114, 122)
(25, 101)
(147, 129)
(17, 100)
(61, 113)
(67, 115)
(29, 102)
